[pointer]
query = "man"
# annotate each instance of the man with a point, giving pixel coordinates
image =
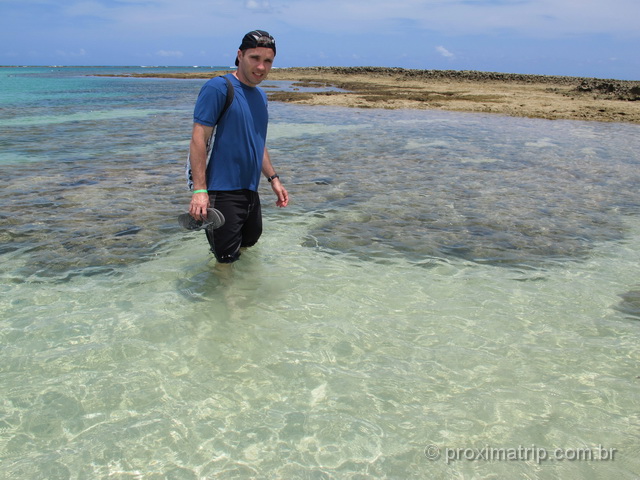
(230, 182)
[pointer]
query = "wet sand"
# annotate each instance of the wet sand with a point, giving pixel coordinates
(536, 96)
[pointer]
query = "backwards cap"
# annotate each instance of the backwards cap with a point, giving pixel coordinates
(255, 39)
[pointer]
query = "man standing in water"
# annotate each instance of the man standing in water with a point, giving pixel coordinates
(230, 182)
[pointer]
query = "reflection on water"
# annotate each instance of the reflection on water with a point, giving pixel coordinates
(439, 279)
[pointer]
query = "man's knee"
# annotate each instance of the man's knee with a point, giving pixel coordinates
(249, 243)
(227, 258)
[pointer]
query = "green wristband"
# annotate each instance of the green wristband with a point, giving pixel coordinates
(201, 191)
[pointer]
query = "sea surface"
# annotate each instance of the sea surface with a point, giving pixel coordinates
(448, 295)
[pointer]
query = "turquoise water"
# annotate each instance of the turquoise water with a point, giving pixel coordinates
(441, 285)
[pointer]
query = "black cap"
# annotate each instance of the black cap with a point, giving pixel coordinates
(255, 39)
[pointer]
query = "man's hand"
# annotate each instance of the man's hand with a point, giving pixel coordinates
(281, 193)
(199, 205)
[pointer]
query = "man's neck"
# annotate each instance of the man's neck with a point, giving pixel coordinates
(235, 74)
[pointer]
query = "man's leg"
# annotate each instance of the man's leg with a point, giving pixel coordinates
(242, 227)
(252, 228)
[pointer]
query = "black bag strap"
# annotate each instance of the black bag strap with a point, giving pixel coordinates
(229, 100)
(227, 103)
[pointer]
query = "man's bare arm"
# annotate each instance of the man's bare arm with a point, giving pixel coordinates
(198, 157)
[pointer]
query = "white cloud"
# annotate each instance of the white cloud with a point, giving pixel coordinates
(255, 5)
(80, 53)
(170, 53)
(444, 52)
(88, 9)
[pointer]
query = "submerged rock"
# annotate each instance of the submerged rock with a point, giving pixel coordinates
(630, 304)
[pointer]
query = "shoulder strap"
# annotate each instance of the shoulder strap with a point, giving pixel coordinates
(229, 100)
(227, 104)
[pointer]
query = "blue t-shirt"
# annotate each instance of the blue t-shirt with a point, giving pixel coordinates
(236, 159)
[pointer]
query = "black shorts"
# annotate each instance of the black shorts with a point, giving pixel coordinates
(242, 226)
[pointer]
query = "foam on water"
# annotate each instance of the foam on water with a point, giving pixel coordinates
(284, 130)
(76, 117)
(439, 279)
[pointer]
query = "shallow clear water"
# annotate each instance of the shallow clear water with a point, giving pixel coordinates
(440, 281)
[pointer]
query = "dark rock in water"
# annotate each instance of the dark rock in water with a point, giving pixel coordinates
(322, 181)
(128, 231)
(79, 183)
(630, 304)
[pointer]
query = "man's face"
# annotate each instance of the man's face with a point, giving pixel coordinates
(254, 65)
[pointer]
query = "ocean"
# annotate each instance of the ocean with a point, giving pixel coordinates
(448, 295)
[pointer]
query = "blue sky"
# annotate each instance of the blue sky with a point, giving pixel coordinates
(594, 38)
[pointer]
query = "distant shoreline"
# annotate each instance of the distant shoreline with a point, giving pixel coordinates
(518, 95)
(458, 73)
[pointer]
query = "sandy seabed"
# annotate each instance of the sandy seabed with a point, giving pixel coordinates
(520, 95)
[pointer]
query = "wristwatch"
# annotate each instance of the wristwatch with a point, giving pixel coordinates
(273, 177)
